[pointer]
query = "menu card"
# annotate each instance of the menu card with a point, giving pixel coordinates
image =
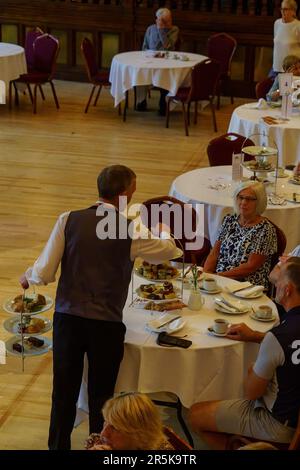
(237, 170)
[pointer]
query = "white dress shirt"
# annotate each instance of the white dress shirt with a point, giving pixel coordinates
(45, 267)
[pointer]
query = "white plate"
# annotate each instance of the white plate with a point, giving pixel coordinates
(253, 296)
(290, 198)
(28, 352)
(213, 333)
(170, 328)
(253, 315)
(229, 312)
(139, 294)
(156, 280)
(8, 306)
(294, 181)
(11, 325)
(259, 150)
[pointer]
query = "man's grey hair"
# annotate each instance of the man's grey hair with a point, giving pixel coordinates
(259, 191)
(162, 12)
(289, 4)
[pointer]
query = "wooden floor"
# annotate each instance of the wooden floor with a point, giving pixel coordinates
(49, 163)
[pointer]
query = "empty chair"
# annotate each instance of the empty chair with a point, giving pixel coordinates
(45, 51)
(204, 79)
(220, 149)
(221, 47)
(263, 87)
(96, 77)
(179, 228)
(28, 47)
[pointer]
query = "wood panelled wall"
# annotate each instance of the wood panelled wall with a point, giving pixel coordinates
(249, 21)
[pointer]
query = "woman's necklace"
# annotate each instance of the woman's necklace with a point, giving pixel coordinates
(248, 223)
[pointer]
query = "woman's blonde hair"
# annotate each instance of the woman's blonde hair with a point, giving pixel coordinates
(135, 415)
(259, 191)
(289, 61)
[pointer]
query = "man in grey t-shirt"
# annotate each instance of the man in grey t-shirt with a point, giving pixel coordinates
(271, 405)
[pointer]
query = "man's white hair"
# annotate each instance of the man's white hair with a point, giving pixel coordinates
(162, 12)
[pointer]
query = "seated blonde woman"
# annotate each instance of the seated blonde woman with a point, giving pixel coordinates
(132, 422)
(246, 240)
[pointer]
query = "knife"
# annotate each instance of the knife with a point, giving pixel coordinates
(226, 302)
(169, 321)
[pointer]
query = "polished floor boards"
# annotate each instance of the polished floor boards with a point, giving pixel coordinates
(48, 164)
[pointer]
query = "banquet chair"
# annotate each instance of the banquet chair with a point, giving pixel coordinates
(197, 256)
(220, 149)
(236, 441)
(96, 77)
(221, 47)
(28, 47)
(263, 87)
(204, 78)
(45, 51)
(175, 440)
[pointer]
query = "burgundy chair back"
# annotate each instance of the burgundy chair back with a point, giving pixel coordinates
(221, 47)
(45, 49)
(263, 87)
(205, 76)
(191, 256)
(220, 149)
(28, 47)
(89, 55)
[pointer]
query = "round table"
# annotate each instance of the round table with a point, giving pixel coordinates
(213, 187)
(12, 62)
(136, 68)
(213, 368)
(247, 121)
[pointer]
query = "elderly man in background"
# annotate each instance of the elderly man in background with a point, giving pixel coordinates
(161, 36)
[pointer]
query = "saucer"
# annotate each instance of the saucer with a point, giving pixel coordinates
(253, 315)
(215, 291)
(284, 175)
(213, 333)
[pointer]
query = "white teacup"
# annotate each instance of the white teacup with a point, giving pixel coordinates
(220, 326)
(209, 284)
(279, 172)
(264, 311)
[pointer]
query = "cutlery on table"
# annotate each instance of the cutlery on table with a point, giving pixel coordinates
(169, 321)
(227, 303)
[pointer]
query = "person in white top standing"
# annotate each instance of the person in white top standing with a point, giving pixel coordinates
(286, 35)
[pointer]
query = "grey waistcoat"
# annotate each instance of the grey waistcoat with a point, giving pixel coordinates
(95, 274)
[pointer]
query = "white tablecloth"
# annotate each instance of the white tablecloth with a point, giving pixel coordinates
(197, 187)
(247, 121)
(12, 62)
(212, 368)
(131, 69)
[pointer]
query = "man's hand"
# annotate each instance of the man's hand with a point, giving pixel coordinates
(23, 281)
(242, 332)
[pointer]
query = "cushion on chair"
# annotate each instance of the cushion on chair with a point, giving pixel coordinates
(33, 77)
(182, 93)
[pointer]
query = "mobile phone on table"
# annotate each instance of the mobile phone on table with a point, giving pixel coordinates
(164, 339)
